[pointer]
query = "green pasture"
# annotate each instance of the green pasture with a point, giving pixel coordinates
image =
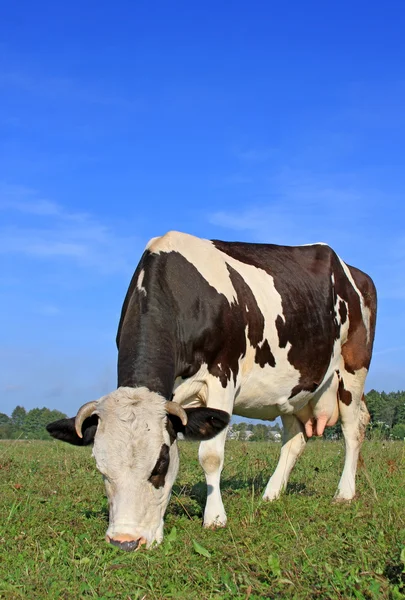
(53, 517)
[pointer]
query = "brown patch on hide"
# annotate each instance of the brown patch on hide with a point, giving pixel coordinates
(356, 352)
(344, 395)
(211, 463)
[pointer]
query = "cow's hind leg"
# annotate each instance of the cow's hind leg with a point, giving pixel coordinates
(211, 456)
(294, 441)
(354, 417)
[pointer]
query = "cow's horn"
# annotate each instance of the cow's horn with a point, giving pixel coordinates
(175, 409)
(84, 411)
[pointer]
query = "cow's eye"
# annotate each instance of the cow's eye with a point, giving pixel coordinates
(157, 477)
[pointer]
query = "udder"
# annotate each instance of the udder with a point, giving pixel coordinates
(317, 415)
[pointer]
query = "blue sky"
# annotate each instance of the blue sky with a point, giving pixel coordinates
(256, 121)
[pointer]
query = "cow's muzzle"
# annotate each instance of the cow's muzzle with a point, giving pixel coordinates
(125, 542)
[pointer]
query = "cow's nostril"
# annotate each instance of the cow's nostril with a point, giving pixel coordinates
(127, 545)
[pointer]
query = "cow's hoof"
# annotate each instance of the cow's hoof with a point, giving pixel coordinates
(270, 497)
(217, 524)
(342, 500)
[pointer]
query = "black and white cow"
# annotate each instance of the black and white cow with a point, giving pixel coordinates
(211, 328)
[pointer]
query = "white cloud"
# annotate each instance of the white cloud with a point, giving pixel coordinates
(299, 207)
(271, 223)
(11, 387)
(296, 209)
(37, 207)
(53, 232)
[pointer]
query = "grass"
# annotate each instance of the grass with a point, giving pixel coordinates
(53, 517)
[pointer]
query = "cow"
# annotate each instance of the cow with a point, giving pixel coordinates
(211, 328)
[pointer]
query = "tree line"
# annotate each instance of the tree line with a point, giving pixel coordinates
(387, 421)
(387, 416)
(259, 432)
(28, 425)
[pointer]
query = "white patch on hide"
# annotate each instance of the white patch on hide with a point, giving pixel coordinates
(139, 283)
(200, 253)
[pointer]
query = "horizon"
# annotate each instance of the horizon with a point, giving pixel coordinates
(277, 124)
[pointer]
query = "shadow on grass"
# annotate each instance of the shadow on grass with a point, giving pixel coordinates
(191, 500)
(299, 489)
(394, 572)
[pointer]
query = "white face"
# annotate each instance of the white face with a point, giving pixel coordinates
(139, 464)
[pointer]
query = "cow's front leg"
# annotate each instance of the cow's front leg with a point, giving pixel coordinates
(211, 455)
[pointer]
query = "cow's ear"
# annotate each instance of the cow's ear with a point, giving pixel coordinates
(202, 423)
(65, 430)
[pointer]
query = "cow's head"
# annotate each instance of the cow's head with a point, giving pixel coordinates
(134, 433)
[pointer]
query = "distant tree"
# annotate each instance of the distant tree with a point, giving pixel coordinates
(31, 424)
(37, 419)
(387, 413)
(334, 432)
(398, 431)
(33, 421)
(241, 429)
(260, 433)
(18, 417)
(373, 402)
(6, 430)
(4, 419)
(399, 416)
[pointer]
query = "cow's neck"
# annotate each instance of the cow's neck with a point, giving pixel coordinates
(154, 348)
(146, 355)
